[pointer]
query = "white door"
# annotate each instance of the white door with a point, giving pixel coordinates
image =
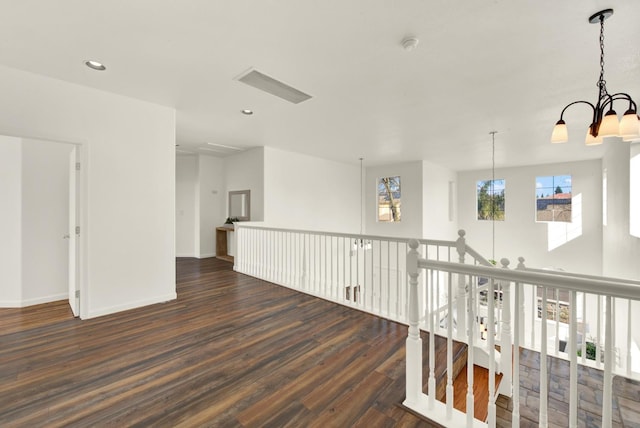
(74, 296)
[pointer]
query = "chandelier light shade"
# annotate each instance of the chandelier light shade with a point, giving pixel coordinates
(604, 122)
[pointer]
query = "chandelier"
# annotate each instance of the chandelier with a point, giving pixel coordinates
(604, 122)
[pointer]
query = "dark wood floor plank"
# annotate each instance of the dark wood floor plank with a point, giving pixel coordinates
(230, 351)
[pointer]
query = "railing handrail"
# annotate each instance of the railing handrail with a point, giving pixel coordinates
(586, 276)
(478, 257)
(582, 283)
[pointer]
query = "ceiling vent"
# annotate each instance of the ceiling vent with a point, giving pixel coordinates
(268, 84)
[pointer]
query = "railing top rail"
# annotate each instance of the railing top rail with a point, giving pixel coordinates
(440, 243)
(606, 287)
(476, 255)
(582, 275)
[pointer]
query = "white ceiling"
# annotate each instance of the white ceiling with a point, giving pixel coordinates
(481, 65)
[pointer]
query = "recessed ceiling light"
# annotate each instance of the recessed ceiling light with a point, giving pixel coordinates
(95, 65)
(247, 111)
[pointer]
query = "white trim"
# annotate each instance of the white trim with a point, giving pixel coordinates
(206, 255)
(32, 302)
(186, 255)
(45, 299)
(10, 304)
(131, 305)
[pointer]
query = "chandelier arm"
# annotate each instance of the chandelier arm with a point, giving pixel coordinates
(579, 102)
(626, 97)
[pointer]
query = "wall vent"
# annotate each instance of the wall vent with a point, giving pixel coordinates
(272, 86)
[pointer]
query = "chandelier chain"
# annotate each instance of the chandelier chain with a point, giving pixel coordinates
(602, 84)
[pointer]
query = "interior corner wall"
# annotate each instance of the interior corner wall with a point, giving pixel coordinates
(621, 250)
(212, 200)
(45, 221)
(519, 235)
(411, 188)
(310, 193)
(186, 185)
(245, 171)
(127, 200)
(10, 222)
(438, 202)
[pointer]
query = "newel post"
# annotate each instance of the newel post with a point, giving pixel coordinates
(461, 247)
(413, 380)
(506, 351)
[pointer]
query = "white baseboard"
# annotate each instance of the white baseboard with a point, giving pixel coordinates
(10, 304)
(130, 305)
(185, 255)
(45, 299)
(34, 301)
(206, 255)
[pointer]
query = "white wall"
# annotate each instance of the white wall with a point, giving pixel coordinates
(621, 250)
(304, 192)
(186, 185)
(519, 234)
(411, 182)
(45, 221)
(127, 183)
(438, 203)
(10, 222)
(212, 202)
(245, 171)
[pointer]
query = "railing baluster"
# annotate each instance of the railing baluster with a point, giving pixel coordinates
(470, 351)
(608, 363)
(506, 337)
(598, 333)
(557, 320)
(629, 324)
(461, 293)
(491, 332)
(380, 276)
(534, 314)
(449, 390)
(584, 328)
(389, 279)
(432, 347)
(542, 418)
(573, 362)
(515, 415)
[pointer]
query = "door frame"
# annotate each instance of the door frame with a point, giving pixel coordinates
(82, 148)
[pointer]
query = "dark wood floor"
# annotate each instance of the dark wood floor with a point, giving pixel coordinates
(230, 351)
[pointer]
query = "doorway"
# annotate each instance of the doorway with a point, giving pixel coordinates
(42, 208)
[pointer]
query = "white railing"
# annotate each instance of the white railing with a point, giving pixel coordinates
(533, 327)
(361, 271)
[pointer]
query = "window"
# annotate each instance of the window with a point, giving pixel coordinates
(553, 198)
(389, 198)
(490, 198)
